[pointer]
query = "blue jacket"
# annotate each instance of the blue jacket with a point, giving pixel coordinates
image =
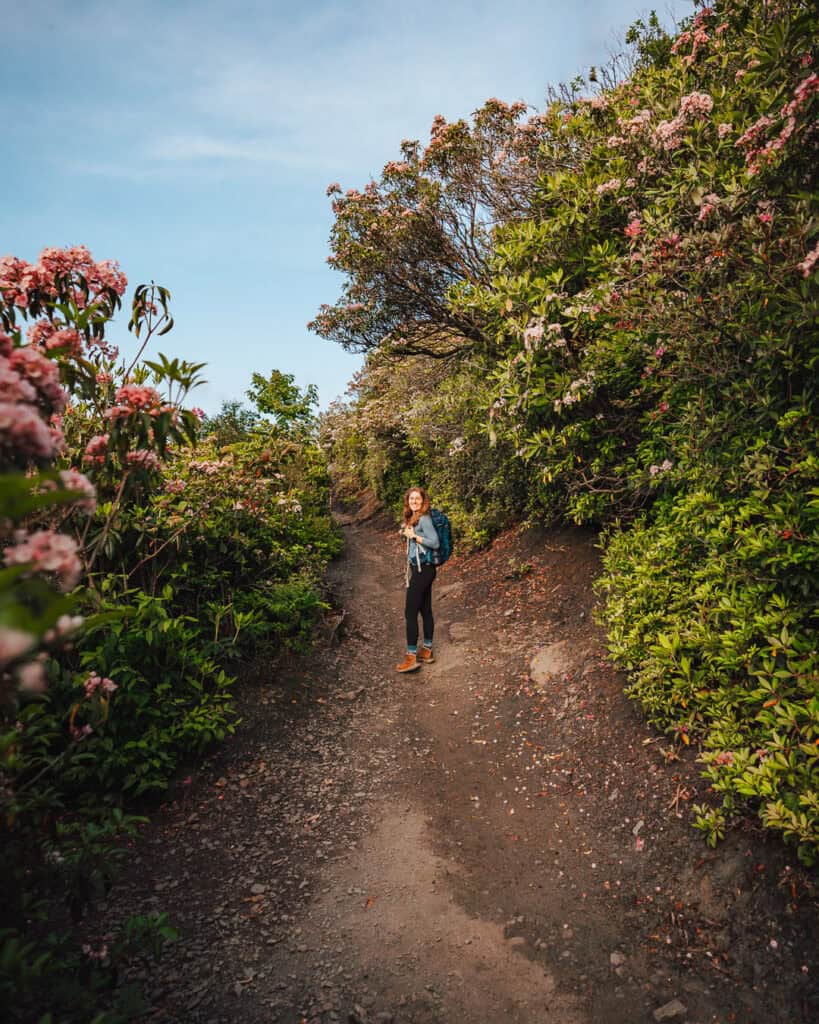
(431, 541)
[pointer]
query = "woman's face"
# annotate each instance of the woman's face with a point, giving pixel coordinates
(415, 501)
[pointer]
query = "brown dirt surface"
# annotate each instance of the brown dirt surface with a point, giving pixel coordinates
(498, 837)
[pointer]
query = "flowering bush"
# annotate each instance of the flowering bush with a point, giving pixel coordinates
(191, 565)
(648, 325)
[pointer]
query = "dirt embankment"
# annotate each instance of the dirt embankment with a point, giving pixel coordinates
(498, 837)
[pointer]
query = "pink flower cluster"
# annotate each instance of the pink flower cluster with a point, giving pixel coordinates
(137, 397)
(668, 134)
(143, 458)
(634, 228)
(599, 102)
(810, 261)
(709, 204)
(132, 398)
(210, 468)
(73, 480)
(23, 433)
(533, 335)
(19, 279)
(65, 625)
(697, 37)
(637, 124)
(696, 104)
(95, 682)
(756, 156)
(97, 449)
(30, 393)
(612, 185)
(664, 467)
(47, 551)
(13, 643)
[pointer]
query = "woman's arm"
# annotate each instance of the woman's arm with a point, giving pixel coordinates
(427, 534)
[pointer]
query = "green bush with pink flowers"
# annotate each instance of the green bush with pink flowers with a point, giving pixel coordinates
(144, 566)
(634, 302)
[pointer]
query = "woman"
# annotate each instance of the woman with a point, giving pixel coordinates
(421, 537)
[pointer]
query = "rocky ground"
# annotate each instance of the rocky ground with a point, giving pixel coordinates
(498, 837)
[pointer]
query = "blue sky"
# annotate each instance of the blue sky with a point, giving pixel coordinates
(193, 142)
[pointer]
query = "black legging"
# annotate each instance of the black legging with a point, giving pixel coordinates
(419, 599)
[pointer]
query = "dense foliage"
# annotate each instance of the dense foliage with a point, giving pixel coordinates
(645, 348)
(147, 557)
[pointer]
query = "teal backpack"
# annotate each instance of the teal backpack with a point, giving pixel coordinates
(444, 530)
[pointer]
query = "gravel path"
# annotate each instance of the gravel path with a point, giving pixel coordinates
(496, 838)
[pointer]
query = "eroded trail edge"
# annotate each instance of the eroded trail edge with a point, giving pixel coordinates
(496, 838)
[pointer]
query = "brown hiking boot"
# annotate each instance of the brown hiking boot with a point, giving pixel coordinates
(409, 664)
(425, 655)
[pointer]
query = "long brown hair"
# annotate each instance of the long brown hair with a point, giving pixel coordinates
(411, 518)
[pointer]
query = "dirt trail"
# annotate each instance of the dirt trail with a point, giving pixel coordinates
(496, 838)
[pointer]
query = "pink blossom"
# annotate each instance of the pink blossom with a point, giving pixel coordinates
(66, 338)
(705, 211)
(198, 413)
(62, 627)
(13, 643)
(532, 335)
(31, 677)
(765, 218)
(47, 551)
(724, 128)
(333, 188)
(73, 480)
(682, 39)
(23, 433)
(97, 449)
(210, 468)
(810, 261)
(78, 260)
(750, 136)
(104, 378)
(634, 228)
(42, 373)
(696, 104)
(174, 486)
(143, 458)
(613, 141)
(724, 757)
(667, 133)
(635, 125)
(95, 682)
(663, 407)
(137, 397)
(13, 387)
(39, 333)
(608, 186)
(660, 352)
